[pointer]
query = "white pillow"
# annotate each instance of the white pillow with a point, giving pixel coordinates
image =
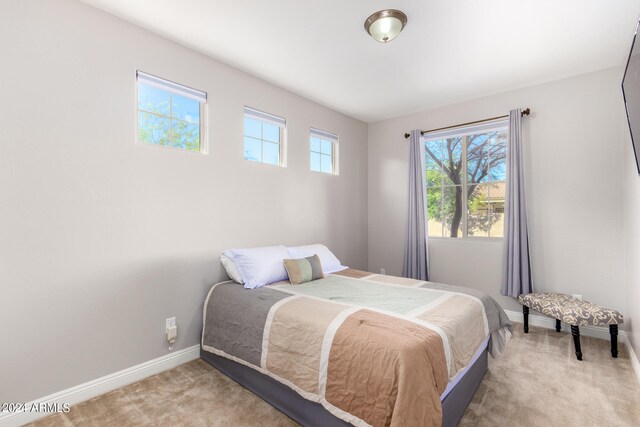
(259, 266)
(231, 269)
(330, 264)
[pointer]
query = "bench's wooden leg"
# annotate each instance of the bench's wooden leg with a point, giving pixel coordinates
(558, 325)
(575, 331)
(525, 315)
(613, 330)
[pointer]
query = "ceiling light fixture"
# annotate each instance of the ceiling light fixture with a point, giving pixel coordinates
(385, 25)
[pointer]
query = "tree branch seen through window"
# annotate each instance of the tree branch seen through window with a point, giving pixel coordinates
(168, 119)
(466, 170)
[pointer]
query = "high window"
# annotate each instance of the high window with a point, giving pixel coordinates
(264, 137)
(170, 115)
(465, 172)
(324, 152)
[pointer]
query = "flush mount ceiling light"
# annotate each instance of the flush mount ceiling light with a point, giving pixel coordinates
(385, 25)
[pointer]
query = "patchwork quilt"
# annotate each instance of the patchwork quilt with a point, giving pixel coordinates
(372, 349)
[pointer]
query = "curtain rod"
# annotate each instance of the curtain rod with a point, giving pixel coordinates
(524, 112)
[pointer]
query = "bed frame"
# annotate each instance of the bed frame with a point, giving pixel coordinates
(312, 414)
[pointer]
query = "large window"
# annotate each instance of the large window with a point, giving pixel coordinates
(169, 114)
(465, 171)
(323, 152)
(264, 137)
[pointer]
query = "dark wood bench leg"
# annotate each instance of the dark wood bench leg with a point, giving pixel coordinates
(575, 331)
(613, 330)
(558, 325)
(525, 314)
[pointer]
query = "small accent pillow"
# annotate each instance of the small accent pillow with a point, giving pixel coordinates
(330, 264)
(303, 270)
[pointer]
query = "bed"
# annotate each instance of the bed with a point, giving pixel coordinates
(356, 348)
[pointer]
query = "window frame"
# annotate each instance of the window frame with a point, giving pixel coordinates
(334, 140)
(268, 118)
(464, 133)
(173, 88)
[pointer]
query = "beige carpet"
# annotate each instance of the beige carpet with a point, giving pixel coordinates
(537, 382)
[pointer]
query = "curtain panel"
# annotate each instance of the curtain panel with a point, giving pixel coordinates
(416, 253)
(516, 277)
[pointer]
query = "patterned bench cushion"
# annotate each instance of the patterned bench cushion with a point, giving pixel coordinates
(570, 310)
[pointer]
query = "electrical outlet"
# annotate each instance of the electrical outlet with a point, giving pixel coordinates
(577, 296)
(171, 331)
(170, 322)
(383, 271)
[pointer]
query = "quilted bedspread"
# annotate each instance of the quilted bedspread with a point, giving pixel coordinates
(372, 349)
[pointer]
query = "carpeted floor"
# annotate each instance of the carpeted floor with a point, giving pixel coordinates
(537, 382)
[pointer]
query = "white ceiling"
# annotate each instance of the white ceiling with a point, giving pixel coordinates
(450, 50)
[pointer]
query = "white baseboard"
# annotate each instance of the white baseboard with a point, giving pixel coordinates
(634, 358)
(99, 386)
(88, 390)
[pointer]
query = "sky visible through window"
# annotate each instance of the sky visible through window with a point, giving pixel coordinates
(261, 141)
(167, 119)
(465, 185)
(321, 155)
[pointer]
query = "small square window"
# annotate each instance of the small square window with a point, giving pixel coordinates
(323, 152)
(263, 137)
(169, 114)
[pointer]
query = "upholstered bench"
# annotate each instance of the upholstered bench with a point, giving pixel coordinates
(575, 312)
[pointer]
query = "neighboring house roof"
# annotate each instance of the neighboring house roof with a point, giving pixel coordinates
(492, 191)
(498, 190)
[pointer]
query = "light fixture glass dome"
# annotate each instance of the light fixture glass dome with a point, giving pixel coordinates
(385, 25)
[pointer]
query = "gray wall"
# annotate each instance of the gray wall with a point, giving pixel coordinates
(574, 160)
(102, 239)
(631, 213)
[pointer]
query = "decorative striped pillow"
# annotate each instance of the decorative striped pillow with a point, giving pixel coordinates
(304, 269)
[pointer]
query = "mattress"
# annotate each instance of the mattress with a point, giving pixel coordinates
(366, 347)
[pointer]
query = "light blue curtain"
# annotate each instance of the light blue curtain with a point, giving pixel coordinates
(416, 263)
(516, 277)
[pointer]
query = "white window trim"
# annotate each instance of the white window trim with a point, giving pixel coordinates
(495, 125)
(172, 87)
(272, 119)
(265, 117)
(181, 90)
(334, 139)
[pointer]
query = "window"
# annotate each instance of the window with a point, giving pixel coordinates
(263, 137)
(170, 115)
(324, 152)
(465, 172)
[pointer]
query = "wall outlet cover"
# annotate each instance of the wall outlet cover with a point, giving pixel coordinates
(170, 322)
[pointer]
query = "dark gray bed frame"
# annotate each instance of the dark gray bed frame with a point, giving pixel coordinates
(312, 414)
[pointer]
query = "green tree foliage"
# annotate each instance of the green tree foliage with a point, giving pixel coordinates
(485, 164)
(155, 127)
